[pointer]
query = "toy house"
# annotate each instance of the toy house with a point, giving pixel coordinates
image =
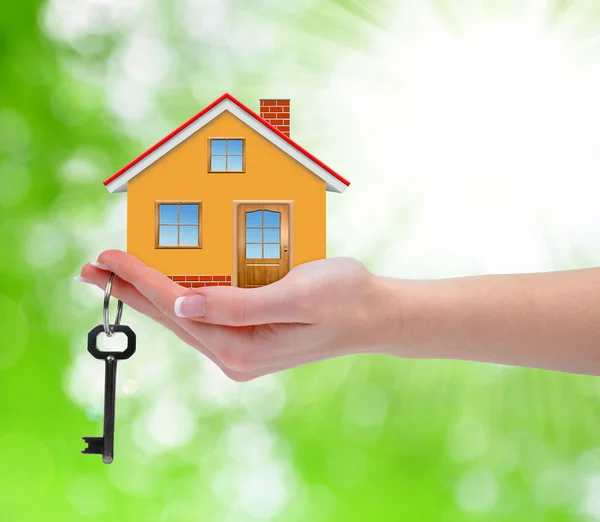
(227, 198)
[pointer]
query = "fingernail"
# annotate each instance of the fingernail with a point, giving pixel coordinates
(84, 280)
(100, 265)
(190, 306)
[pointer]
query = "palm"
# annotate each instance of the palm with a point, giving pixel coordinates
(250, 332)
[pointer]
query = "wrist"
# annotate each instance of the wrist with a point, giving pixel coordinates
(408, 314)
(386, 309)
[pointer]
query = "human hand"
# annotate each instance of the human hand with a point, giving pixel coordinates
(319, 310)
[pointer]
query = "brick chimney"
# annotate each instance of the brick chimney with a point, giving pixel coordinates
(277, 113)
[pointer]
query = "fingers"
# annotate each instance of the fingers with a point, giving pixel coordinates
(131, 296)
(279, 302)
(150, 283)
(121, 290)
(226, 319)
(231, 306)
(161, 293)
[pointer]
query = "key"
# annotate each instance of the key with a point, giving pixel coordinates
(105, 445)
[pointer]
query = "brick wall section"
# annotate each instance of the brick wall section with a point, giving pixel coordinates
(199, 281)
(277, 113)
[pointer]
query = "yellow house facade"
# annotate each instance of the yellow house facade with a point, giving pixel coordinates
(227, 198)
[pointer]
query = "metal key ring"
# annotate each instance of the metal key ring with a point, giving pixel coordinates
(105, 320)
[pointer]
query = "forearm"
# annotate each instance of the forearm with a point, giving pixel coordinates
(546, 320)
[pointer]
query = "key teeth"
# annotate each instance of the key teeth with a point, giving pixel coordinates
(95, 445)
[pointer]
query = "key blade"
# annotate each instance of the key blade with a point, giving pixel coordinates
(95, 445)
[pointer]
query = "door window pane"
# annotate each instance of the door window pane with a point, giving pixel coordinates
(271, 235)
(167, 235)
(263, 234)
(253, 251)
(272, 251)
(271, 218)
(254, 219)
(254, 235)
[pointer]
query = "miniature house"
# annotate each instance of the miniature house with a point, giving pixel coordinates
(227, 198)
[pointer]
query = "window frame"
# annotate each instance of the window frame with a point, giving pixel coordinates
(157, 205)
(210, 155)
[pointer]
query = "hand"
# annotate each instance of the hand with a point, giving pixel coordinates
(319, 310)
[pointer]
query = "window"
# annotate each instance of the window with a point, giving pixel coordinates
(263, 233)
(226, 155)
(179, 225)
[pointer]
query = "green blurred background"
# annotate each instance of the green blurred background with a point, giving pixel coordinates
(470, 135)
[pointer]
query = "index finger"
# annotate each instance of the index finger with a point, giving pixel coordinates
(149, 282)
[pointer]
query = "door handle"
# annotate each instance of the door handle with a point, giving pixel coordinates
(285, 248)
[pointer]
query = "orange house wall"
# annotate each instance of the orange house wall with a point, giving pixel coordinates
(182, 175)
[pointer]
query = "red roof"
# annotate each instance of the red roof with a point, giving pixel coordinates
(204, 111)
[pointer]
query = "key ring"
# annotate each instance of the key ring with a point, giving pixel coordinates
(105, 320)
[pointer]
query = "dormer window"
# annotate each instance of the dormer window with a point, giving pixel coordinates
(226, 155)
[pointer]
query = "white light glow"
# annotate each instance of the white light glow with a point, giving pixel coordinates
(492, 128)
(169, 423)
(258, 482)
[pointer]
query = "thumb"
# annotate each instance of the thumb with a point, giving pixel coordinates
(274, 303)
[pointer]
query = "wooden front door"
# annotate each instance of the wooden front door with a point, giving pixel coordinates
(263, 235)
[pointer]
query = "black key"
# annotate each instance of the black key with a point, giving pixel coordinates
(105, 445)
